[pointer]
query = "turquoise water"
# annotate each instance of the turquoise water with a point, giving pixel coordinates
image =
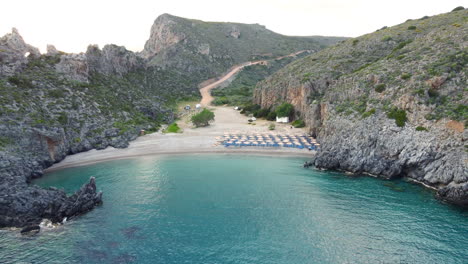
(244, 209)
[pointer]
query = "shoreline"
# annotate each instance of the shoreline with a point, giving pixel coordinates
(253, 152)
(191, 141)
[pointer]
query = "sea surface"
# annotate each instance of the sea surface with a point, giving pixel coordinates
(243, 209)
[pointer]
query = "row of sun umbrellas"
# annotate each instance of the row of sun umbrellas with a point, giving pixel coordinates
(268, 140)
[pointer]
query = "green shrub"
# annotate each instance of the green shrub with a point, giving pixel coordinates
(298, 123)
(405, 76)
(221, 101)
(56, 93)
(402, 45)
(262, 113)
(285, 110)
(272, 126)
(20, 81)
(203, 118)
(368, 113)
(380, 87)
(458, 8)
(399, 115)
(421, 128)
(172, 128)
(4, 141)
(355, 42)
(63, 118)
(306, 77)
(271, 116)
(432, 93)
(412, 28)
(250, 108)
(386, 38)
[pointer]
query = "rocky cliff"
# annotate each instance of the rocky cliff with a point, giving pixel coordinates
(392, 103)
(57, 104)
(208, 49)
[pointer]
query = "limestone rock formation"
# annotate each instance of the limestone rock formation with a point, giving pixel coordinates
(51, 50)
(112, 59)
(14, 52)
(163, 35)
(234, 32)
(26, 206)
(74, 67)
(392, 103)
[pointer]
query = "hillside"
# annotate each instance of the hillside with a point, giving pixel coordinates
(239, 91)
(392, 103)
(208, 49)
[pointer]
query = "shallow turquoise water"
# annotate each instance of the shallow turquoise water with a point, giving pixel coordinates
(244, 209)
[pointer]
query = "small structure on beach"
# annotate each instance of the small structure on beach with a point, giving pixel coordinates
(282, 119)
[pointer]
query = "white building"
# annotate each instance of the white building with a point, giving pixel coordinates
(282, 119)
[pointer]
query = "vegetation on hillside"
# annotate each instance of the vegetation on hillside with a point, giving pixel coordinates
(211, 48)
(422, 61)
(240, 91)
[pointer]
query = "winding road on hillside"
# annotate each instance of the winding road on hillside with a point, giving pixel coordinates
(205, 91)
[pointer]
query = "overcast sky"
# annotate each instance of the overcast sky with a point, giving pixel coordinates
(72, 25)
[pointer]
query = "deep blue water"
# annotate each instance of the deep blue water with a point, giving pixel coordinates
(244, 209)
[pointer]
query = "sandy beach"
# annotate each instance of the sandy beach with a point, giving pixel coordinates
(191, 141)
(196, 140)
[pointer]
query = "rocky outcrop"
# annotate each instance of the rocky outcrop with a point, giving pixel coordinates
(163, 35)
(14, 53)
(112, 59)
(74, 67)
(391, 103)
(51, 50)
(23, 205)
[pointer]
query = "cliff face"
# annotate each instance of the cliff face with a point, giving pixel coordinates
(58, 104)
(391, 103)
(210, 48)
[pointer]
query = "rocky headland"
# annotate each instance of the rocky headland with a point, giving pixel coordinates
(57, 104)
(392, 103)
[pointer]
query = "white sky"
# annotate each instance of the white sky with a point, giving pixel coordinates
(71, 25)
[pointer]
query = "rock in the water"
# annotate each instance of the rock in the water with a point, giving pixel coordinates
(30, 230)
(22, 205)
(455, 194)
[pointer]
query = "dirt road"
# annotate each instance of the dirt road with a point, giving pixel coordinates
(206, 91)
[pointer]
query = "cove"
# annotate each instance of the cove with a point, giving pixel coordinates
(243, 209)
